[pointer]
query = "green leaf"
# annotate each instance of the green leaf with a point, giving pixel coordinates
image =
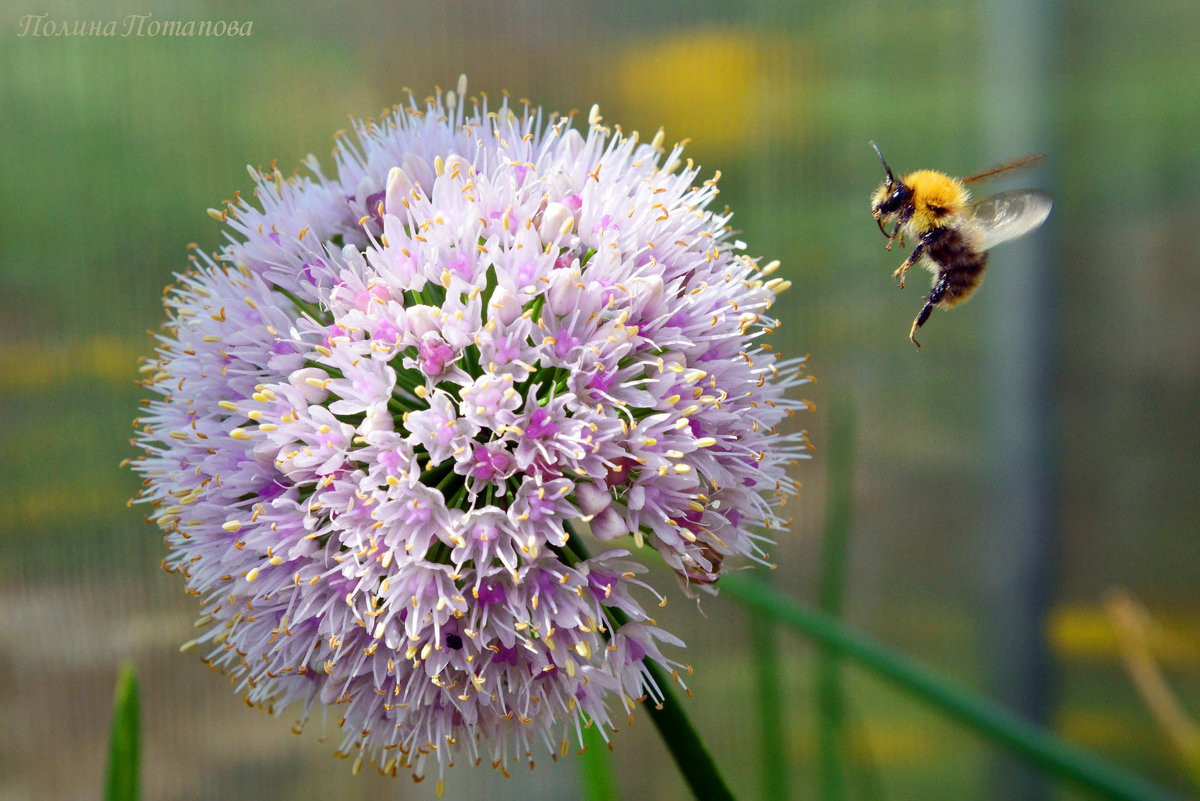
(124, 746)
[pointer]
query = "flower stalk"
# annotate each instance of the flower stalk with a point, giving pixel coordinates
(691, 755)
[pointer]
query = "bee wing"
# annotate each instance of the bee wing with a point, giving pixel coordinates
(1007, 215)
(993, 171)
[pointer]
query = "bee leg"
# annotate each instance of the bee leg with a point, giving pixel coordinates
(934, 298)
(902, 270)
(917, 323)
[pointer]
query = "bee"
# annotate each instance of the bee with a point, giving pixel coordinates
(953, 233)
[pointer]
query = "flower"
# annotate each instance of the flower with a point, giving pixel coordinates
(387, 406)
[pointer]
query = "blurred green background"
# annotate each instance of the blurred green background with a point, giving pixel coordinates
(1040, 450)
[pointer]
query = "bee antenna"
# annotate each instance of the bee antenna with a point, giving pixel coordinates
(891, 180)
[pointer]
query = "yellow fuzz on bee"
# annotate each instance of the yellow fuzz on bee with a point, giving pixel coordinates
(936, 196)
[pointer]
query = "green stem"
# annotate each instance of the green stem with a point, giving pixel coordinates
(987, 718)
(535, 307)
(599, 781)
(437, 474)
(691, 755)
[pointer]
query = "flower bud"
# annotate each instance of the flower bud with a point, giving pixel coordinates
(422, 320)
(557, 221)
(503, 306)
(608, 525)
(563, 295)
(310, 383)
(592, 498)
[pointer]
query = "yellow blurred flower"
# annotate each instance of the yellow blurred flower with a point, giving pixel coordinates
(722, 88)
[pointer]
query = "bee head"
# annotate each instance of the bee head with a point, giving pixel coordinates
(892, 200)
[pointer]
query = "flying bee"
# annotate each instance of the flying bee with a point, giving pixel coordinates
(953, 233)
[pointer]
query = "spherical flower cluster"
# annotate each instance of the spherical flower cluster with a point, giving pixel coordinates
(390, 407)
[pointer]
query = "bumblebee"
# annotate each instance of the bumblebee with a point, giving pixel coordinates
(953, 233)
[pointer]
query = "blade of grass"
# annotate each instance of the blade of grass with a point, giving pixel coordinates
(831, 592)
(768, 698)
(994, 722)
(124, 746)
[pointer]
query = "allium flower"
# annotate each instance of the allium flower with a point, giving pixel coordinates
(388, 403)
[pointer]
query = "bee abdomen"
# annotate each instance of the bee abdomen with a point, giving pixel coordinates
(959, 263)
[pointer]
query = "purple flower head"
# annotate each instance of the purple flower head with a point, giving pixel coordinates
(389, 410)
